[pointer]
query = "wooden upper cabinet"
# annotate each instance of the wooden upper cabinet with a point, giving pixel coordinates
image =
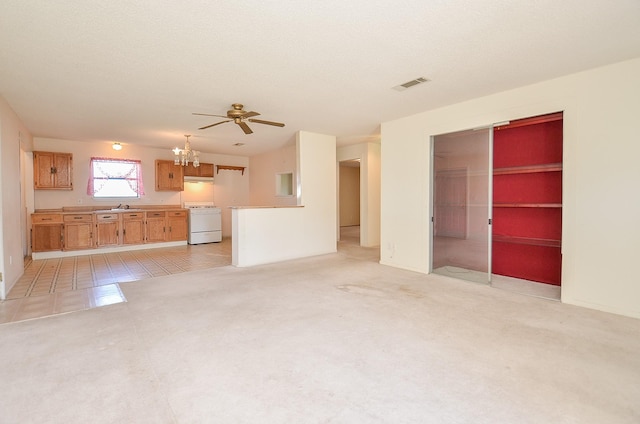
(204, 170)
(52, 171)
(169, 177)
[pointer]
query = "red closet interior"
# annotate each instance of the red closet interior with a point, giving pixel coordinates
(527, 199)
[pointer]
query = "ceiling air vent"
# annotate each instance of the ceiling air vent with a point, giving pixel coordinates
(410, 84)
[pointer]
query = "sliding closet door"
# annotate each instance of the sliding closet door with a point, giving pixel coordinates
(461, 204)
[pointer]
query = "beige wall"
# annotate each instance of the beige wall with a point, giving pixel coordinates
(600, 177)
(349, 195)
(264, 168)
(14, 140)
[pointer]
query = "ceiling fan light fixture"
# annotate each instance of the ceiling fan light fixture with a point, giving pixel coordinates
(239, 116)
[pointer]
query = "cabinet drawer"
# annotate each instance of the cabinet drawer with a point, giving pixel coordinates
(177, 213)
(46, 218)
(132, 215)
(156, 214)
(107, 217)
(78, 218)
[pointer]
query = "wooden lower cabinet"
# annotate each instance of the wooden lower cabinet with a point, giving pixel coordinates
(78, 231)
(177, 223)
(107, 229)
(87, 230)
(156, 226)
(46, 232)
(132, 227)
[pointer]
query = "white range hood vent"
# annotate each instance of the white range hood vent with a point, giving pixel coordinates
(198, 179)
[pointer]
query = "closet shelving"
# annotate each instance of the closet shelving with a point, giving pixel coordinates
(527, 199)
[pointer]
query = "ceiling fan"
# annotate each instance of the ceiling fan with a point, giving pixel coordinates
(238, 116)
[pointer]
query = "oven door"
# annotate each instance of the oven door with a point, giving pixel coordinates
(204, 220)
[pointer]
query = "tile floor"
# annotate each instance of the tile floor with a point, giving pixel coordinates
(55, 286)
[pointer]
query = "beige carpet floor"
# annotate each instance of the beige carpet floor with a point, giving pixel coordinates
(332, 339)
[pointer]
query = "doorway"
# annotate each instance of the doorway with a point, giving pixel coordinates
(349, 198)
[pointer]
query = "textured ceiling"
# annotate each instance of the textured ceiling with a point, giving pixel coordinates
(135, 71)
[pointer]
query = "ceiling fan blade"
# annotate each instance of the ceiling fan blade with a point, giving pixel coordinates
(206, 114)
(260, 121)
(249, 114)
(245, 127)
(213, 125)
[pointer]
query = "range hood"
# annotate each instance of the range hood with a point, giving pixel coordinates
(188, 179)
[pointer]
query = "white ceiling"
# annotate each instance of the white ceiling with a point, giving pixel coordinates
(134, 71)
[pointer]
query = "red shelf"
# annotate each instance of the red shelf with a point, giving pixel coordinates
(531, 169)
(526, 240)
(527, 205)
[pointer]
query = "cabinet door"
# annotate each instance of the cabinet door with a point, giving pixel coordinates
(43, 165)
(107, 233)
(78, 231)
(155, 227)
(46, 237)
(177, 222)
(62, 170)
(107, 229)
(191, 171)
(206, 170)
(169, 177)
(132, 228)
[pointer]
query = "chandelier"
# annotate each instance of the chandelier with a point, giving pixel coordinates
(186, 155)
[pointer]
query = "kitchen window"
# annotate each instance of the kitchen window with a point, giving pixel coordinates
(115, 178)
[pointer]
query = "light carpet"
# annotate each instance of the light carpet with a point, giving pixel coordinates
(332, 339)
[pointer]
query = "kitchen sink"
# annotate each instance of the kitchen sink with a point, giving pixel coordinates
(118, 210)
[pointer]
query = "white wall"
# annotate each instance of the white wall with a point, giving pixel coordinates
(601, 205)
(369, 155)
(14, 139)
(263, 176)
(230, 188)
(265, 235)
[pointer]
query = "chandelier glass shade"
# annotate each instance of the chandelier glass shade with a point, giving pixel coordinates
(186, 155)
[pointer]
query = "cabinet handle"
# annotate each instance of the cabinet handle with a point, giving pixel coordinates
(77, 217)
(117, 233)
(46, 219)
(106, 216)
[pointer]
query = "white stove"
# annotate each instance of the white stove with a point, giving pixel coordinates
(205, 222)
